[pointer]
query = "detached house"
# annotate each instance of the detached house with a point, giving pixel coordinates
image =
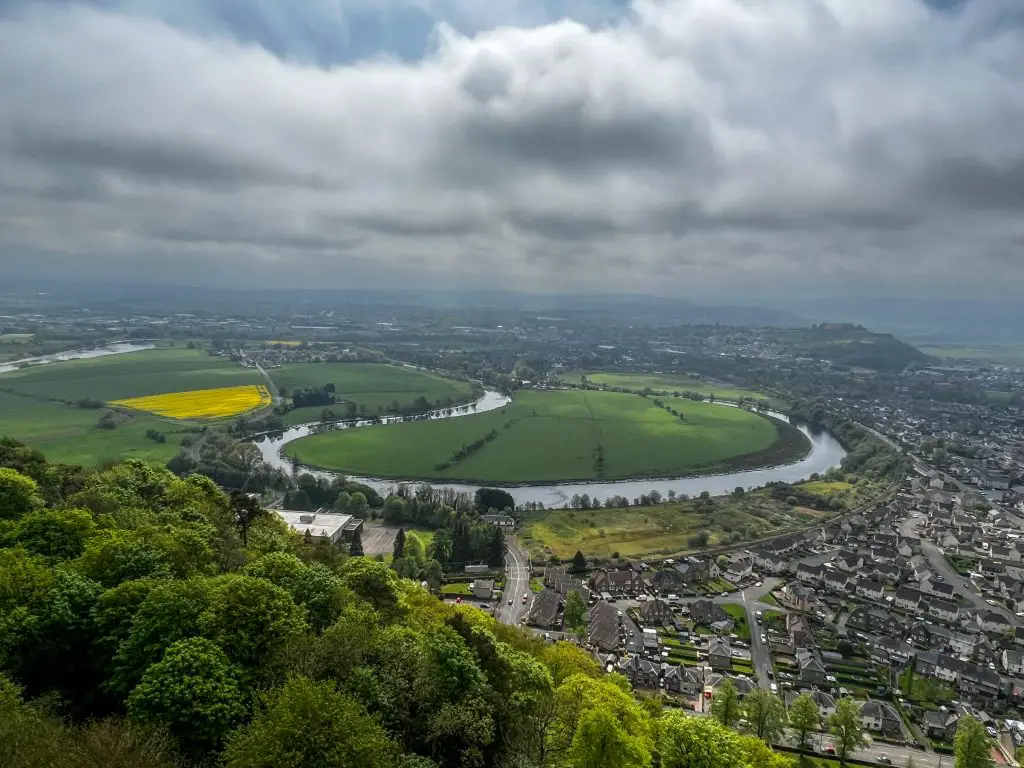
(993, 622)
(1013, 662)
(720, 653)
(943, 610)
(907, 599)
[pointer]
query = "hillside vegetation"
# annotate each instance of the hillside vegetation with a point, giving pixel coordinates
(153, 622)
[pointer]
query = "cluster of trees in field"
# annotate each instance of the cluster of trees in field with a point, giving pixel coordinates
(460, 538)
(313, 396)
(797, 496)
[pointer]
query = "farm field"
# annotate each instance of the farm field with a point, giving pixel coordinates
(662, 382)
(38, 405)
(369, 385)
(136, 374)
(545, 436)
(69, 435)
(201, 403)
(662, 530)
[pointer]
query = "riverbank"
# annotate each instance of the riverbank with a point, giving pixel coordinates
(825, 453)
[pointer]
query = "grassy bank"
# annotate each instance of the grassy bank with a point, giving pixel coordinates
(546, 436)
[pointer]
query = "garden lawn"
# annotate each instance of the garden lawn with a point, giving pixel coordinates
(663, 382)
(545, 436)
(739, 615)
(369, 385)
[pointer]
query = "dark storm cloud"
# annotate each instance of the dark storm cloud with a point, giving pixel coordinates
(697, 143)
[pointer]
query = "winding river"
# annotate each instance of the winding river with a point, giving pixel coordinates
(826, 452)
(117, 348)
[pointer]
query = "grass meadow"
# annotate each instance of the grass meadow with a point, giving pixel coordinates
(370, 385)
(660, 530)
(545, 436)
(662, 382)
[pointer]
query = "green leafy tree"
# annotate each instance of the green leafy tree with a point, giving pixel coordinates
(804, 717)
(565, 660)
(19, 494)
(414, 548)
(847, 728)
(169, 613)
(253, 621)
(602, 742)
(766, 714)
(433, 574)
(56, 534)
(725, 704)
(372, 581)
(357, 504)
(245, 511)
(697, 742)
(580, 694)
(308, 724)
(575, 612)
(194, 692)
(972, 747)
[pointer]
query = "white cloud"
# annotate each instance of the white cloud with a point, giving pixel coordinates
(696, 145)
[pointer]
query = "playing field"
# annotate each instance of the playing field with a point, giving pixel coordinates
(369, 385)
(661, 382)
(545, 436)
(664, 529)
(38, 405)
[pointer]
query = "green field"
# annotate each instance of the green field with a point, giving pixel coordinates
(369, 385)
(545, 436)
(115, 377)
(1003, 354)
(661, 530)
(662, 382)
(37, 404)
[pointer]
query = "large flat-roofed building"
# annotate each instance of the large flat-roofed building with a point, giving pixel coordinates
(322, 525)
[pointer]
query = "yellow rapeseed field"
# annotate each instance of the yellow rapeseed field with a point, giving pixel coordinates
(201, 403)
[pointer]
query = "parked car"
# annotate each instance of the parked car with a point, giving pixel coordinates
(883, 759)
(758, 584)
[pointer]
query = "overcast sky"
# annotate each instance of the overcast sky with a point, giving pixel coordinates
(682, 147)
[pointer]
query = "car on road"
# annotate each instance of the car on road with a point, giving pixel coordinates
(758, 584)
(991, 731)
(884, 760)
(829, 749)
(725, 594)
(510, 601)
(774, 688)
(764, 638)
(525, 598)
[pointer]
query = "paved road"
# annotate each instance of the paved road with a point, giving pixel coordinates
(517, 583)
(960, 584)
(760, 654)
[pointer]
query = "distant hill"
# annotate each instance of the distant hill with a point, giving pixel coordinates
(856, 347)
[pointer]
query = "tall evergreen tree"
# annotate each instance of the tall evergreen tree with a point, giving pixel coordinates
(399, 549)
(355, 547)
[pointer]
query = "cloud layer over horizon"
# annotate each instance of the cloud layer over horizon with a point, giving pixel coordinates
(673, 147)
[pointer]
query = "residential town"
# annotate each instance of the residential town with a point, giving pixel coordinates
(914, 607)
